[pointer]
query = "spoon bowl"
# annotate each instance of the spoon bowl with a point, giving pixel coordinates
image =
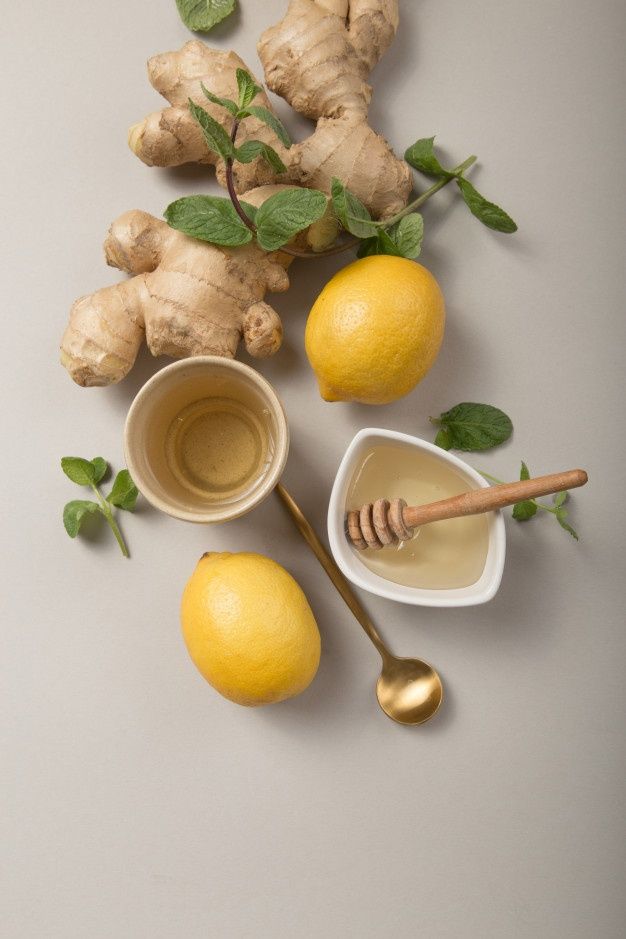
(409, 690)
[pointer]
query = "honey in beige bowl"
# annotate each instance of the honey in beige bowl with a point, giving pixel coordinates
(442, 555)
(218, 447)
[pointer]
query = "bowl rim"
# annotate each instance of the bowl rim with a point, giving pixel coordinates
(281, 444)
(360, 575)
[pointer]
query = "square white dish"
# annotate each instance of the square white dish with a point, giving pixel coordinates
(347, 557)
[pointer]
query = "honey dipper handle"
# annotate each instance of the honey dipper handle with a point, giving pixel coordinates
(495, 497)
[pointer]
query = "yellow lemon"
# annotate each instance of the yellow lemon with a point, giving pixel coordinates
(375, 330)
(249, 628)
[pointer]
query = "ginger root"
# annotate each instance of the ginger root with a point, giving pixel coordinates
(317, 58)
(188, 297)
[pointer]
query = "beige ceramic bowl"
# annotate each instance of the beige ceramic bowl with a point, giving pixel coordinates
(151, 416)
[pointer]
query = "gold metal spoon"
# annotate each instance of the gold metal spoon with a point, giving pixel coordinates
(409, 691)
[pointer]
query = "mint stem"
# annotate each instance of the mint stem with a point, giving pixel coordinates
(239, 209)
(351, 242)
(540, 505)
(412, 206)
(108, 514)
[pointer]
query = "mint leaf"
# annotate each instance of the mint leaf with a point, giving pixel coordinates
(407, 235)
(486, 212)
(351, 212)
(386, 245)
(443, 439)
(560, 498)
(208, 218)
(76, 512)
(216, 137)
(100, 466)
(82, 472)
(421, 156)
(286, 213)
(124, 492)
(561, 515)
(522, 511)
(248, 88)
(262, 114)
(224, 102)
(203, 15)
(368, 247)
(252, 149)
(474, 426)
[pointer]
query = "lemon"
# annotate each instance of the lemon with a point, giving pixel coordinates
(375, 330)
(249, 628)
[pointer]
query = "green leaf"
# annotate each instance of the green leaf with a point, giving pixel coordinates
(76, 512)
(224, 102)
(286, 213)
(208, 218)
(560, 498)
(124, 492)
(522, 511)
(203, 15)
(524, 472)
(82, 472)
(252, 149)
(561, 515)
(443, 439)
(351, 212)
(100, 466)
(367, 247)
(475, 426)
(248, 88)
(407, 235)
(214, 134)
(262, 114)
(421, 156)
(486, 212)
(386, 244)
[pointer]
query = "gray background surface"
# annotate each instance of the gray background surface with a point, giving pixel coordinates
(138, 803)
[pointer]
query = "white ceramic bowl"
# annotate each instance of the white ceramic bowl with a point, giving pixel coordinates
(348, 559)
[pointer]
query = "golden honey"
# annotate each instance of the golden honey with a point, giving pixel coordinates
(218, 447)
(441, 555)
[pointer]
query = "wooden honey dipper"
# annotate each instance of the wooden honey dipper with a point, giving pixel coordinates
(384, 522)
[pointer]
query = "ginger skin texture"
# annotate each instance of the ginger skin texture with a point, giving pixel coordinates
(188, 297)
(318, 58)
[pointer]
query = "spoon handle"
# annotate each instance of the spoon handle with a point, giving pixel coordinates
(339, 581)
(495, 497)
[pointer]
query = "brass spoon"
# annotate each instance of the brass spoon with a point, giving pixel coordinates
(409, 691)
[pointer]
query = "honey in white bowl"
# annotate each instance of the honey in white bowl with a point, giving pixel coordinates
(441, 555)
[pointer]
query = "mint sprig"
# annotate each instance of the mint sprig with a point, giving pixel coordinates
(232, 222)
(421, 156)
(401, 235)
(523, 511)
(90, 473)
(477, 427)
